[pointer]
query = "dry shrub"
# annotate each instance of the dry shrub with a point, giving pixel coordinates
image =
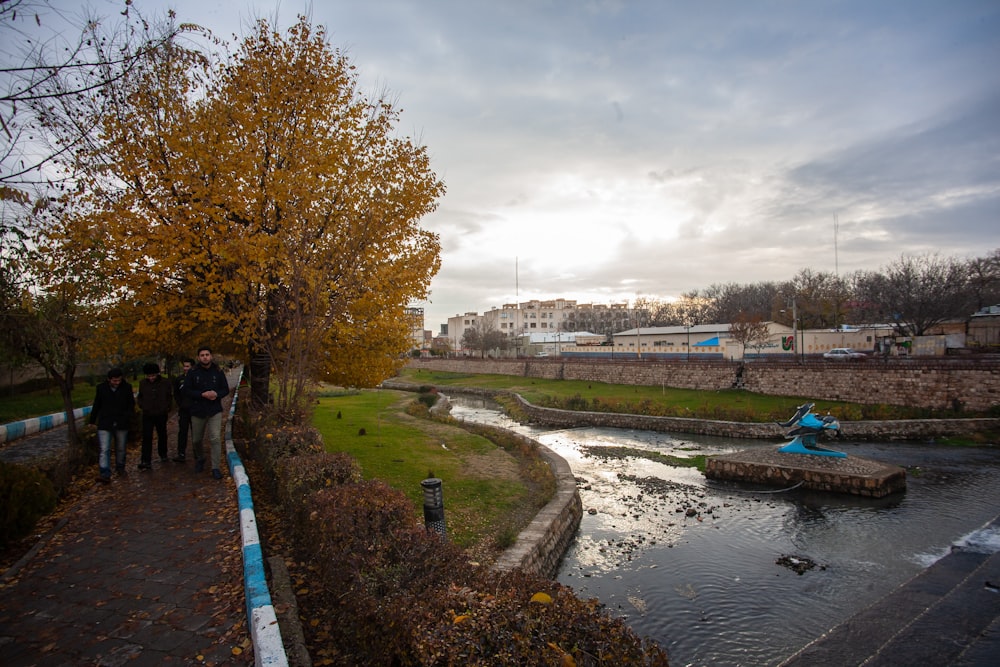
(279, 444)
(296, 477)
(26, 495)
(407, 597)
(517, 618)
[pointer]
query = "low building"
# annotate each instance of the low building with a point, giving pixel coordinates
(554, 343)
(984, 329)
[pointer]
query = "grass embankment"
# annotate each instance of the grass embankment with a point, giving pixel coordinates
(486, 501)
(729, 404)
(27, 404)
(723, 404)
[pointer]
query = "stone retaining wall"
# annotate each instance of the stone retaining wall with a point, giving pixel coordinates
(771, 467)
(899, 429)
(541, 546)
(926, 383)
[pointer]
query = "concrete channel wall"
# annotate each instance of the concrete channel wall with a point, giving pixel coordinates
(541, 546)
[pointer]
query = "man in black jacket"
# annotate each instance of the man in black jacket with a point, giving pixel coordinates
(183, 410)
(154, 400)
(114, 406)
(207, 385)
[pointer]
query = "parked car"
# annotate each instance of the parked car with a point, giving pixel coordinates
(844, 353)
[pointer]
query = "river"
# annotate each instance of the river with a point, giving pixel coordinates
(707, 569)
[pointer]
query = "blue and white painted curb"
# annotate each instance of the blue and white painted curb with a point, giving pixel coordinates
(20, 429)
(268, 648)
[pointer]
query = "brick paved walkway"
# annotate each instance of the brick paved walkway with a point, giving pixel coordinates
(144, 571)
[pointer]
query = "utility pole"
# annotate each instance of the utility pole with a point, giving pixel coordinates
(795, 328)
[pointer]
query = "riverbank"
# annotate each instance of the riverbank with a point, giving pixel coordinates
(920, 382)
(875, 430)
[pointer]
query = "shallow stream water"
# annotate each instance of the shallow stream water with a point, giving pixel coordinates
(694, 563)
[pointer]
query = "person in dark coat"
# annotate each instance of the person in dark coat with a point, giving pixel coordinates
(183, 410)
(114, 406)
(154, 400)
(207, 385)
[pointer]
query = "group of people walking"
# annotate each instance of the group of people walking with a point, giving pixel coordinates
(198, 392)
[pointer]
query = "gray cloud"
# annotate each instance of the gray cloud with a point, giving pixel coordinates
(613, 148)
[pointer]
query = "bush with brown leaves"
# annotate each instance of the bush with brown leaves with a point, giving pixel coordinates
(407, 597)
(26, 495)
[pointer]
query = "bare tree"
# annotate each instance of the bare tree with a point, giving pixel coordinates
(42, 67)
(484, 337)
(730, 299)
(693, 309)
(750, 331)
(820, 297)
(983, 274)
(914, 293)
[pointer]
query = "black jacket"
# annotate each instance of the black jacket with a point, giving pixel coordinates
(180, 396)
(154, 397)
(200, 379)
(113, 410)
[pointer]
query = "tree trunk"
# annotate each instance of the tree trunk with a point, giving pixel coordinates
(76, 448)
(260, 379)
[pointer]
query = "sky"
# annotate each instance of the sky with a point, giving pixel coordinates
(604, 151)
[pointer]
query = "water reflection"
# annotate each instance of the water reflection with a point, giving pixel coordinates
(692, 563)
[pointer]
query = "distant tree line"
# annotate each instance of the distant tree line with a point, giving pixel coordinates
(913, 294)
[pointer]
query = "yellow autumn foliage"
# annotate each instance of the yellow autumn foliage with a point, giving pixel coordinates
(258, 203)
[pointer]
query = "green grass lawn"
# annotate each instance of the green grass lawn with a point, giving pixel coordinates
(722, 404)
(24, 405)
(481, 485)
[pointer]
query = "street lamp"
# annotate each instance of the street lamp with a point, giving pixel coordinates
(688, 328)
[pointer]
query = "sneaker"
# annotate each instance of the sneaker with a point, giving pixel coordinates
(179, 459)
(199, 465)
(145, 466)
(120, 470)
(163, 459)
(216, 473)
(104, 478)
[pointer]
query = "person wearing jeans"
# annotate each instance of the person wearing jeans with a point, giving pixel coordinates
(206, 385)
(114, 406)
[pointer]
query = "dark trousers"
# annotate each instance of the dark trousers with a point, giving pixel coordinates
(150, 422)
(183, 430)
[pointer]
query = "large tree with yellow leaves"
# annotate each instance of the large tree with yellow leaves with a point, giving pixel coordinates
(260, 203)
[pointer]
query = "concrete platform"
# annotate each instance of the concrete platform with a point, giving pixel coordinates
(948, 615)
(768, 466)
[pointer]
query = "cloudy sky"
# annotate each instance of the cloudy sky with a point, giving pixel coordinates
(603, 150)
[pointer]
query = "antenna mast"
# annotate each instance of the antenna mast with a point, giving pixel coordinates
(836, 258)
